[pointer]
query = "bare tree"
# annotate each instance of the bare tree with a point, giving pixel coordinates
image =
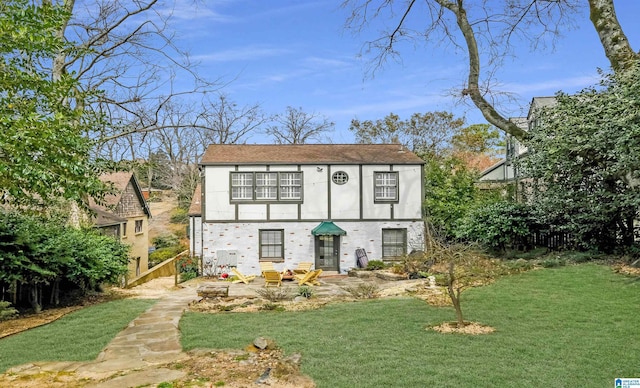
(126, 51)
(488, 29)
(183, 134)
(298, 127)
(224, 122)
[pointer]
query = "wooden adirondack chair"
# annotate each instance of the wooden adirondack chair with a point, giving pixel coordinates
(309, 279)
(266, 266)
(303, 268)
(272, 278)
(242, 278)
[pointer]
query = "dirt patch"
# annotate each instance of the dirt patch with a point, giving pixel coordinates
(160, 221)
(244, 368)
(472, 328)
(627, 270)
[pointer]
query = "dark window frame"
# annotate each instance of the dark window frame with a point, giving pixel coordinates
(376, 198)
(395, 244)
(262, 244)
(281, 186)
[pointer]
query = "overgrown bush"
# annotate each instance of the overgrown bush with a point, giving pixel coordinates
(165, 241)
(42, 253)
(305, 291)
(375, 265)
(498, 226)
(6, 311)
(363, 291)
(159, 255)
(179, 216)
(188, 268)
(441, 280)
(416, 265)
(274, 294)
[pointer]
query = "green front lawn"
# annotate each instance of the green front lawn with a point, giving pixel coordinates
(573, 326)
(79, 336)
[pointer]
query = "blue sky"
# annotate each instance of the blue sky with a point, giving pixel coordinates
(297, 53)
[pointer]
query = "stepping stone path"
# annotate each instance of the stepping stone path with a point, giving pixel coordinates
(149, 340)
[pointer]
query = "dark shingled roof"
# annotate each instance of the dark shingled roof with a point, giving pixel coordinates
(309, 154)
(120, 180)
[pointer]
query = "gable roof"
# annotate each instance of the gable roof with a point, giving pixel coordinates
(538, 103)
(195, 209)
(120, 180)
(104, 218)
(309, 154)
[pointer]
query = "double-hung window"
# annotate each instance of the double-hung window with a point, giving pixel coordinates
(272, 245)
(290, 186)
(386, 186)
(242, 186)
(266, 186)
(394, 243)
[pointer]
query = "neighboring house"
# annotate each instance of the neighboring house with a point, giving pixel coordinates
(306, 203)
(195, 222)
(504, 171)
(126, 215)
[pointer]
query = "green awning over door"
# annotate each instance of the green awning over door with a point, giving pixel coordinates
(327, 228)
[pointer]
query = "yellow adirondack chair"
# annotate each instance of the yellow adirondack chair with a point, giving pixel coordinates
(272, 278)
(303, 268)
(242, 278)
(309, 279)
(266, 266)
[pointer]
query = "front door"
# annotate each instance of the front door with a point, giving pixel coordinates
(327, 253)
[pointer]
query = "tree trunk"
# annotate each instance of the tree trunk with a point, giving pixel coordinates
(35, 298)
(614, 41)
(455, 295)
(55, 293)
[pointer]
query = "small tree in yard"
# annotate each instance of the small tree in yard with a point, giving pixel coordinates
(466, 267)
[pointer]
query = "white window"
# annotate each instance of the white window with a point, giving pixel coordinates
(266, 185)
(138, 226)
(290, 186)
(242, 185)
(386, 186)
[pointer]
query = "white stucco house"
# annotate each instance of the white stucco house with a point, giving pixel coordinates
(306, 203)
(504, 171)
